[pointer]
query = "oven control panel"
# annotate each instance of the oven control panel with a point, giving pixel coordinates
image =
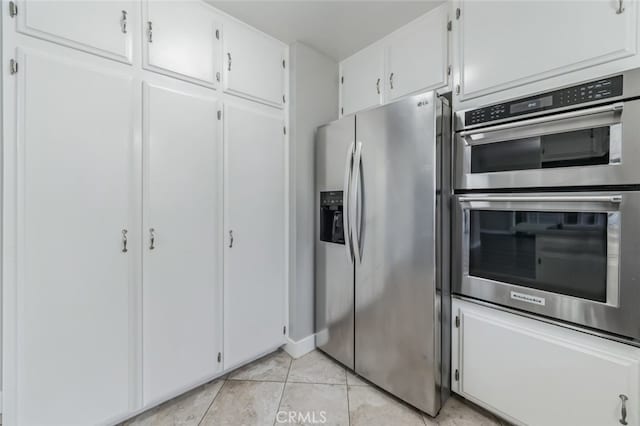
(574, 95)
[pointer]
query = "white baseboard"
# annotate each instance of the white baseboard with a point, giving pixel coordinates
(301, 347)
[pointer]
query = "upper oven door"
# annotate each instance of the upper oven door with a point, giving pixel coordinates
(593, 146)
(570, 256)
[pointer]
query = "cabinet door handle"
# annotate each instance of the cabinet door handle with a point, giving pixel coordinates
(230, 239)
(378, 86)
(229, 66)
(150, 32)
(623, 410)
(123, 22)
(152, 238)
(620, 7)
(391, 81)
(124, 241)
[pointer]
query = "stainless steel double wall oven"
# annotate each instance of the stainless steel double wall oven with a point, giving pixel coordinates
(547, 205)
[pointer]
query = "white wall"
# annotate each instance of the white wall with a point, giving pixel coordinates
(314, 101)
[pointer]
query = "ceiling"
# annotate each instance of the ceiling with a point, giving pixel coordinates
(336, 28)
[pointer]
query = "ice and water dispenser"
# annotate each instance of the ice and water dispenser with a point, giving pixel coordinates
(331, 219)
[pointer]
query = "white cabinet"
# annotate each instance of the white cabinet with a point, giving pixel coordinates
(101, 27)
(182, 40)
(409, 60)
(417, 55)
(68, 272)
(253, 64)
(254, 258)
(540, 374)
(362, 80)
(503, 45)
(182, 292)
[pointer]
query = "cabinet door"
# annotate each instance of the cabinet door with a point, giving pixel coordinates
(182, 322)
(506, 361)
(72, 316)
(253, 64)
(101, 27)
(417, 55)
(361, 77)
(520, 50)
(181, 40)
(254, 264)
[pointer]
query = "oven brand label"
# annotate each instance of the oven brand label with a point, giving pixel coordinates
(528, 298)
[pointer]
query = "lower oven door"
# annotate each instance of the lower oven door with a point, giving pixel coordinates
(569, 256)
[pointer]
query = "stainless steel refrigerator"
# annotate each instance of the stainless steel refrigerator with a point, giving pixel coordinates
(382, 254)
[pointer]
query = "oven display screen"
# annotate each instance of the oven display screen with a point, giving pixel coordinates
(531, 104)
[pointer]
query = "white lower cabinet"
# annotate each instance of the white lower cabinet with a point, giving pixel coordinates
(538, 374)
(254, 258)
(182, 293)
(67, 307)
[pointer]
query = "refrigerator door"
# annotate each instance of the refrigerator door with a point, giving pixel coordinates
(334, 313)
(397, 318)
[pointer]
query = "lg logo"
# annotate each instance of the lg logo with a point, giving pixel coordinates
(299, 417)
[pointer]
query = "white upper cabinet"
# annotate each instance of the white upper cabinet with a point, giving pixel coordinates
(417, 55)
(409, 60)
(254, 257)
(506, 44)
(362, 80)
(182, 40)
(253, 64)
(70, 277)
(182, 292)
(101, 27)
(538, 374)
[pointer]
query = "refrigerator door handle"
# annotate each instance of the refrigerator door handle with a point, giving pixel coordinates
(353, 203)
(348, 171)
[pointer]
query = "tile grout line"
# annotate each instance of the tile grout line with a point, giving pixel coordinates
(224, 382)
(254, 380)
(346, 383)
(284, 386)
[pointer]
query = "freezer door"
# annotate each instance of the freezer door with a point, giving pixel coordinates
(334, 267)
(397, 343)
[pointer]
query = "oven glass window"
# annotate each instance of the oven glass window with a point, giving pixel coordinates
(562, 253)
(578, 148)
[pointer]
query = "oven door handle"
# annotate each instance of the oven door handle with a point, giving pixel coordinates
(578, 198)
(477, 136)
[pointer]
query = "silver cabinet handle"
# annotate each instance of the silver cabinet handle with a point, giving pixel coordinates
(230, 239)
(150, 31)
(391, 81)
(620, 8)
(623, 410)
(378, 86)
(152, 238)
(123, 22)
(124, 241)
(346, 226)
(229, 66)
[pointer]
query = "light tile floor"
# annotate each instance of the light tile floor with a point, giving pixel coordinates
(313, 387)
